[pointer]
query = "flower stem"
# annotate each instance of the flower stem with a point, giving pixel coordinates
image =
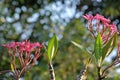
(51, 71)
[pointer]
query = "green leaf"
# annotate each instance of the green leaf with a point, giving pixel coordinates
(98, 49)
(80, 46)
(109, 46)
(85, 50)
(52, 47)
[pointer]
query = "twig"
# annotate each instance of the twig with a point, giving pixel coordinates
(114, 63)
(7, 71)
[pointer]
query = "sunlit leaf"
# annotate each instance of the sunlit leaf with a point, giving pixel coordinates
(80, 46)
(98, 49)
(85, 50)
(52, 47)
(12, 68)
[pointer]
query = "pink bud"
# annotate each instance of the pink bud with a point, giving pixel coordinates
(88, 17)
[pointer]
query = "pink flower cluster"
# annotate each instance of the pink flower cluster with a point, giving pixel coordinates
(26, 52)
(102, 25)
(24, 46)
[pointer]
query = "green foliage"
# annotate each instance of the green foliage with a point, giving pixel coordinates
(52, 48)
(98, 49)
(109, 46)
(111, 9)
(101, 51)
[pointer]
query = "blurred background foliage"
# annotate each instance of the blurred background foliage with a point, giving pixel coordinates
(38, 20)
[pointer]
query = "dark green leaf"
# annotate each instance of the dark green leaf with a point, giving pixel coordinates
(52, 47)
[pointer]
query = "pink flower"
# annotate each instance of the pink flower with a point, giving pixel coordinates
(102, 25)
(98, 17)
(104, 38)
(11, 45)
(24, 46)
(6, 45)
(113, 28)
(88, 17)
(119, 47)
(37, 44)
(102, 18)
